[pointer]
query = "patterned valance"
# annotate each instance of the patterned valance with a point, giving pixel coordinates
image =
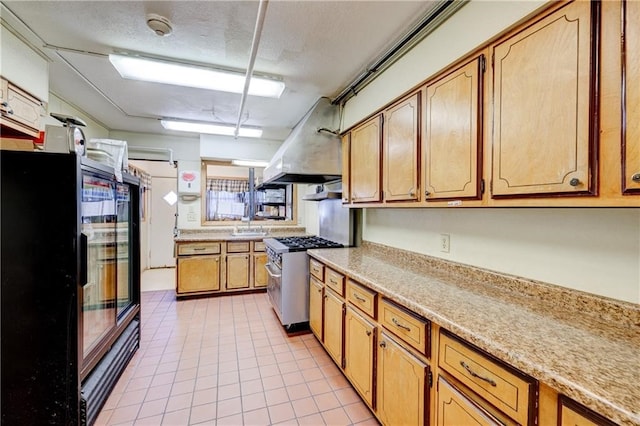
(228, 185)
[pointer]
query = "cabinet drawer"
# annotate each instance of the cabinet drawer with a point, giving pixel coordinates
(198, 248)
(316, 269)
(335, 281)
(503, 387)
(574, 414)
(258, 246)
(363, 298)
(237, 246)
(415, 331)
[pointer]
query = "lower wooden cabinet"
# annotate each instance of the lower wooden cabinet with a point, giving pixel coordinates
(333, 325)
(359, 353)
(456, 408)
(239, 266)
(573, 414)
(402, 381)
(198, 274)
(315, 307)
(259, 271)
(237, 271)
(503, 387)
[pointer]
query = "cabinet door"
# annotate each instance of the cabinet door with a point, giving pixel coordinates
(259, 270)
(452, 138)
(400, 141)
(454, 408)
(401, 385)
(198, 273)
(543, 99)
(22, 112)
(346, 168)
(315, 307)
(365, 161)
(333, 325)
(359, 349)
(631, 111)
(237, 271)
(573, 414)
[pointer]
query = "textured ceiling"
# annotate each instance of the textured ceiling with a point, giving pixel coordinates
(316, 47)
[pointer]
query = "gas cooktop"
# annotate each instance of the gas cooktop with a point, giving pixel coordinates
(306, 243)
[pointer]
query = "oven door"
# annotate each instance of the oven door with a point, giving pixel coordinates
(274, 287)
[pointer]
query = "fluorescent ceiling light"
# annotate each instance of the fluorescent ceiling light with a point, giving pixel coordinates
(210, 128)
(158, 71)
(250, 163)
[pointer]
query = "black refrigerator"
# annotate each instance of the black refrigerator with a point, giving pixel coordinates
(70, 295)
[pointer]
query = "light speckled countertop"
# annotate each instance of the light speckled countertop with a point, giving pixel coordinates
(225, 234)
(583, 346)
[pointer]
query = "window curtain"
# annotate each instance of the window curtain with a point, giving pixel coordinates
(227, 199)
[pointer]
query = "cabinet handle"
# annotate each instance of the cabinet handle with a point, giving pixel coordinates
(326, 297)
(358, 298)
(5, 104)
(383, 344)
(199, 248)
(368, 332)
(474, 374)
(397, 323)
(574, 182)
(636, 177)
(320, 290)
(412, 192)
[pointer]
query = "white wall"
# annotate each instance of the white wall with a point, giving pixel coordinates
(93, 130)
(229, 148)
(594, 250)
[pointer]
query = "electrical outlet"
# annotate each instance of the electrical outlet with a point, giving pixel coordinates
(444, 243)
(191, 217)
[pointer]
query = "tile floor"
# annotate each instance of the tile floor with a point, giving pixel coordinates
(227, 361)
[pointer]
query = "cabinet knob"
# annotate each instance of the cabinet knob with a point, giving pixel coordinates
(636, 177)
(5, 104)
(412, 192)
(427, 193)
(574, 182)
(383, 344)
(368, 332)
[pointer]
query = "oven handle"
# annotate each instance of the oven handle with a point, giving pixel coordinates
(268, 268)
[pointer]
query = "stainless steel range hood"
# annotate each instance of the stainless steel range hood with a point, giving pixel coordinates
(312, 153)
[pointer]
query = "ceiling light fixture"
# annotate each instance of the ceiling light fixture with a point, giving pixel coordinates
(210, 128)
(160, 71)
(250, 163)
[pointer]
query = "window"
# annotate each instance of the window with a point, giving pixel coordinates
(230, 197)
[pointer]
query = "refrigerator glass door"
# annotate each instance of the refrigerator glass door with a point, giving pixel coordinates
(98, 224)
(123, 239)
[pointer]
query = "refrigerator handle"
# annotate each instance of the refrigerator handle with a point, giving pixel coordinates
(84, 243)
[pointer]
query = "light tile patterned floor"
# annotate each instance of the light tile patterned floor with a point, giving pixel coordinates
(227, 361)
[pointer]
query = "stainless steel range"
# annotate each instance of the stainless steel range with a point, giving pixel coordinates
(288, 266)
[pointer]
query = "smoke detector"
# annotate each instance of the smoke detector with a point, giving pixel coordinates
(159, 25)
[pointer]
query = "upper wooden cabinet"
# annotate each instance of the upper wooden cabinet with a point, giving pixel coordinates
(346, 168)
(19, 110)
(544, 99)
(631, 98)
(365, 156)
(401, 150)
(452, 135)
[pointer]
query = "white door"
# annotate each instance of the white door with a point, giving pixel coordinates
(162, 219)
